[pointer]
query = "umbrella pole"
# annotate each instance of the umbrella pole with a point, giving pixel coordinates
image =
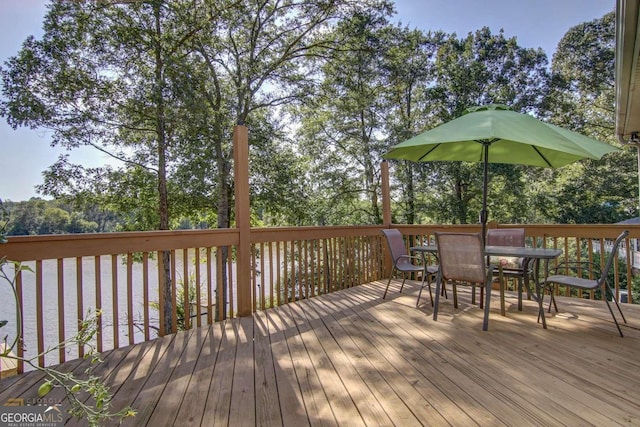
(483, 212)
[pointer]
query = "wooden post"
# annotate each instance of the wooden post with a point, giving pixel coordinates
(243, 252)
(386, 213)
(386, 194)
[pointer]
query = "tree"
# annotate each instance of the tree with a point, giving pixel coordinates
(582, 98)
(341, 125)
(85, 190)
(252, 56)
(255, 55)
(37, 216)
(25, 217)
(479, 69)
(280, 191)
(152, 82)
(408, 66)
(55, 221)
(99, 77)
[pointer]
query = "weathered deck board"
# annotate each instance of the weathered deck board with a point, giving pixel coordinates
(267, 405)
(161, 365)
(218, 402)
(243, 387)
(289, 395)
(192, 409)
(358, 396)
(351, 358)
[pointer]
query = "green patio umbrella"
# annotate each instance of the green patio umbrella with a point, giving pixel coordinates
(496, 134)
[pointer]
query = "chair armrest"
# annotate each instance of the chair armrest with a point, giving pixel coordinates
(410, 257)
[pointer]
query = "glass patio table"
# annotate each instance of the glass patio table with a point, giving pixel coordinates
(530, 257)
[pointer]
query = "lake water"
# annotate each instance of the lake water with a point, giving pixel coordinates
(50, 302)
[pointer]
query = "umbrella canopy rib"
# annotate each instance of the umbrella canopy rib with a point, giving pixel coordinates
(542, 156)
(428, 152)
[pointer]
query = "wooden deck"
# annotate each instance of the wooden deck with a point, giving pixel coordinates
(351, 358)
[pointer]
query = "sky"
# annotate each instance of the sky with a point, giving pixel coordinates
(26, 153)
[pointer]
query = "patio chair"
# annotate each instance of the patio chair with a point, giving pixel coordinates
(511, 266)
(403, 262)
(552, 282)
(462, 259)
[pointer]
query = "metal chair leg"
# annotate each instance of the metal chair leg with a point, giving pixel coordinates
(552, 298)
(430, 294)
(424, 277)
(612, 315)
(404, 278)
(606, 300)
(437, 302)
(485, 322)
(616, 301)
(387, 288)
(455, 294)
(520, 286)
(502, 282)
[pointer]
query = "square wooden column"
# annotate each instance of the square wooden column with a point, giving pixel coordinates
(243, 252)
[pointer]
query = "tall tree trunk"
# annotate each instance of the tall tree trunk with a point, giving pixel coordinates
(371, 187)
(369, 175)
(214, 98)
(410, 195)
(163, 198)
(461, 201)
(408, 126)
(224, 210)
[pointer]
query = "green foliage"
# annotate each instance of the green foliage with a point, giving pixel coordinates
(341, 124)
(635, 289)
(191, 300)
(581, 97)
(37, 216)
(278, 182)
(4, 221)
(478, 69)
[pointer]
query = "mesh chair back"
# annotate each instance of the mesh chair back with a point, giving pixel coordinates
(461, 256)
(506, 237)
(612, 256)
(396, 245)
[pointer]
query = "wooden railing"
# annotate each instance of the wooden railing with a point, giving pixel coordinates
(119, 274)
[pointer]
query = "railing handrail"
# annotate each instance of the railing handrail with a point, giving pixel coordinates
(55, 246)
